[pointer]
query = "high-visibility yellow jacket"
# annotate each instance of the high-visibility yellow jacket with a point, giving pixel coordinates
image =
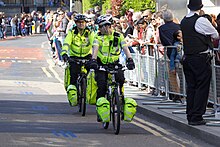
(78, 45)
(109, 46)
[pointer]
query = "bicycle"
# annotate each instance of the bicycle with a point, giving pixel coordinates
(114, 97)
(81, 83)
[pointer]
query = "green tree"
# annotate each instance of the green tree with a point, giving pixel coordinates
(137, 5)
(106, 6)
(86, 5)
(96, 2)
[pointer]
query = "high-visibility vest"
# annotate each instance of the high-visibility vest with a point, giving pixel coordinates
(78, 45)
(109, 47)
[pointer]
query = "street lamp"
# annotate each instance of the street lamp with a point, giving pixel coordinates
(22, 6)
(71, 5)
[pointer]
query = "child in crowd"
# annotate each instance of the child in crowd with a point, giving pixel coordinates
(177, 52)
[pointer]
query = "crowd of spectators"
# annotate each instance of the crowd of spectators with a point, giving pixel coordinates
(142, 31)
(22, 24)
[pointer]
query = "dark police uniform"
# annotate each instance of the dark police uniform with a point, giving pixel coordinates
(197, 68)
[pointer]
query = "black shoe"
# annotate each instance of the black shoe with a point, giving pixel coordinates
(177, 99)
(98, 118)
(195, 123)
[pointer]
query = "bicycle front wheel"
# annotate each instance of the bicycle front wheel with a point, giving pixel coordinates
(83, 96)
(116, 119)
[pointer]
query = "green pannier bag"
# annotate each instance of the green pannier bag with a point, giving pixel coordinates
(103, 109)
(91, 88)
(72, 95)
(67, 77)
(129, 109)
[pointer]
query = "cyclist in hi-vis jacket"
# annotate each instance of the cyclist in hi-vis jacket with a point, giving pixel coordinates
(106, 50)
(77, 44)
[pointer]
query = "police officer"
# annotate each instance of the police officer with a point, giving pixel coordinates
(196, 62)
(106, 50)
(77, 44)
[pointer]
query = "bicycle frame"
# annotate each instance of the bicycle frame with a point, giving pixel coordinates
(113, 94)
(81, 84)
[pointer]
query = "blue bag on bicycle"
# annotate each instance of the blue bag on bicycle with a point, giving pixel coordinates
(129, 109)
(103, 109)
(91, 88)
(72, 95)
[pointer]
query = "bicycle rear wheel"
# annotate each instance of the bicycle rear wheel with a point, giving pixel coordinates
(116, 119)
(83, 96)
(79, 97)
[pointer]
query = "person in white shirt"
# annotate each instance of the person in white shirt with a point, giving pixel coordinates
(197, 31)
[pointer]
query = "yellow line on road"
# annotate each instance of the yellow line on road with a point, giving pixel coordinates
(148, 127)
(46, 72)
(54, 72)
(158, 128)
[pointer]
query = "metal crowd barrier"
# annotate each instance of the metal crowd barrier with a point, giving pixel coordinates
(152, 70)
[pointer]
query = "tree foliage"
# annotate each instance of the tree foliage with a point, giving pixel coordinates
(86, 5)
(137, 5)
(106, 6)
(96, 2)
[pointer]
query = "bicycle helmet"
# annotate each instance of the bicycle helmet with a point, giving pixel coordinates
(79, 17)
(104, 20)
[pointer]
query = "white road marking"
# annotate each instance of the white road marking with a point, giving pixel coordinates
(28, 58)
(43, 44)
(17, 61)
(23, 61)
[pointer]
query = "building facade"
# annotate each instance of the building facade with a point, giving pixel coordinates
(11, 7)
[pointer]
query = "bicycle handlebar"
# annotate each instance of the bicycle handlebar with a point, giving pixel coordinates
(112, 68)
(78, 61)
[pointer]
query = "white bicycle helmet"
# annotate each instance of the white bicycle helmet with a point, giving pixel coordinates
(104, 20)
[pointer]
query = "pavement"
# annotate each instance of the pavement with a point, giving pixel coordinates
(174, 114)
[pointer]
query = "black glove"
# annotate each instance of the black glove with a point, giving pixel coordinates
(93, 64)
(130, 64)
(65, 57)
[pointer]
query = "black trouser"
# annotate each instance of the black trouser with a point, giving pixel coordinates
(197, 70)
(101, 79)
(75, 70)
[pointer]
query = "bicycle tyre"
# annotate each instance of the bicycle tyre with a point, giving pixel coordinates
(116, 112)
(83, 96)
(79, 89)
